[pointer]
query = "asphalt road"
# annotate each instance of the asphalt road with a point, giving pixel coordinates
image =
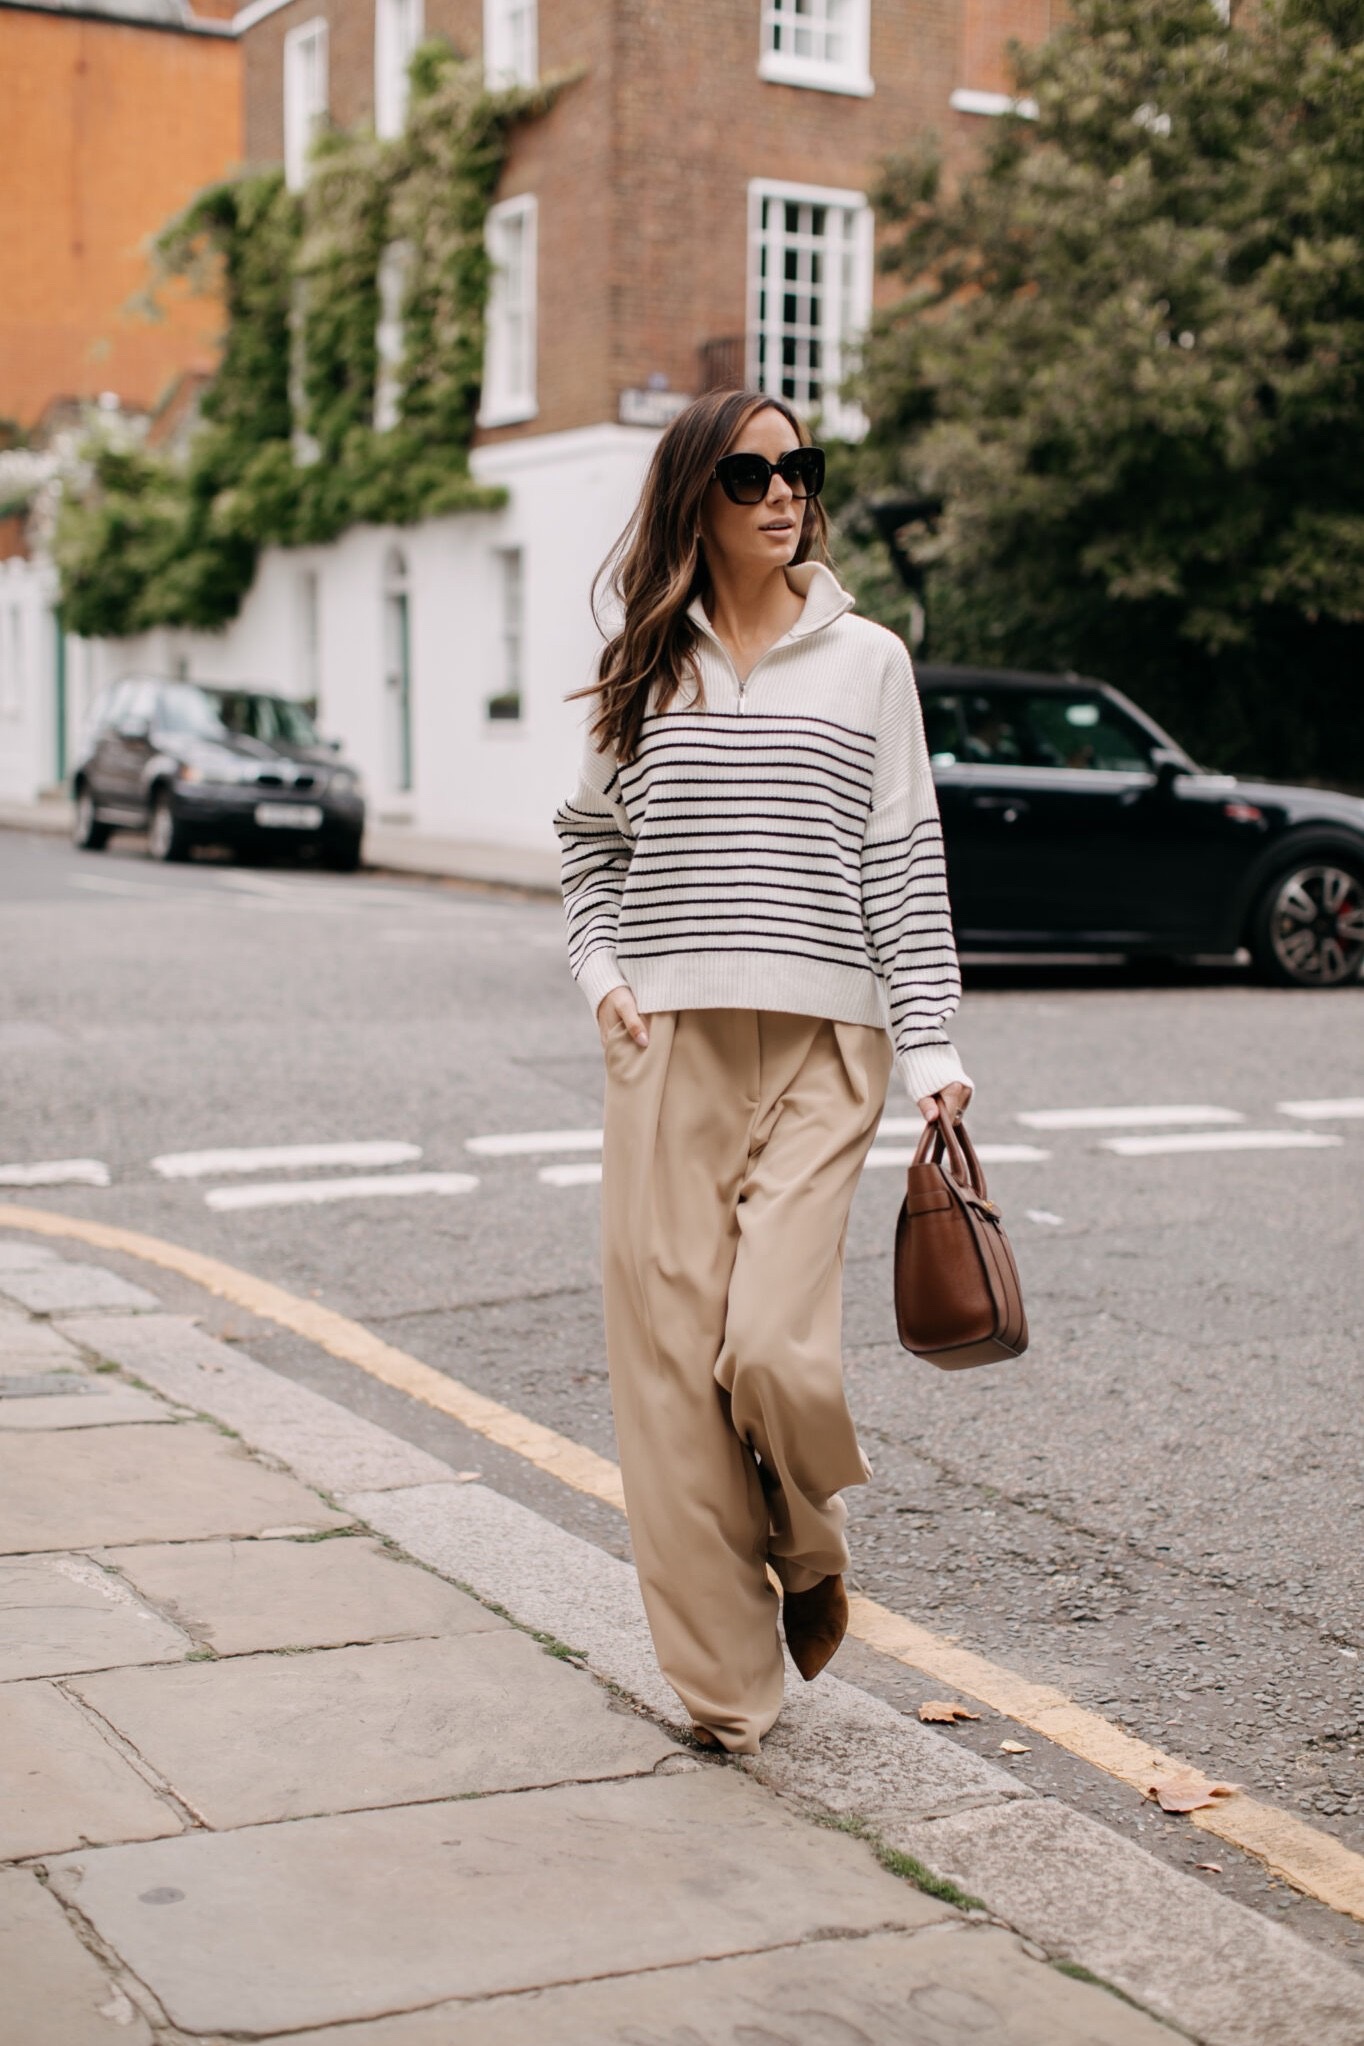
(1160, 1511)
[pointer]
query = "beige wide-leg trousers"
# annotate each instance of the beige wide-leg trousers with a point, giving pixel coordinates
(733, 1145)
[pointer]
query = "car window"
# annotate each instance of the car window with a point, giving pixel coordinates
(993, 734)
(269, 718)
(1086, 731)
(184, 709)
(141, 702)
(1051, 728)
(942, 728)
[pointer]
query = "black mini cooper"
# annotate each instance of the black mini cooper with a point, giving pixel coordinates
(1075, 824)
(191, 764)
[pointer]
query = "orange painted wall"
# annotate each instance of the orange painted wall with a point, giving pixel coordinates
(108, 128)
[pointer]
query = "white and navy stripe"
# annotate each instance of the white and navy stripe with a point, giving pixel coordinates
(778, 848)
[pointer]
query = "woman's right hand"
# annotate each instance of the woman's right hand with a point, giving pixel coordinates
(619, 1007)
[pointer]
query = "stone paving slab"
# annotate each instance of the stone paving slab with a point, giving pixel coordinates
(274, 1928)
(63, 1288)
(101, 1403)
(18, 1254)
(62, 1783)
(59, 1614)
(343, 1729)
(93, 1487)
(1135, 1921)
(832, 1743)
(55, 1992)
(325, 1443)
(945, 1986)
(28, 1345)
(240, 1597)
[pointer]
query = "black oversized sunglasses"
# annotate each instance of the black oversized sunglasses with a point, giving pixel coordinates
(745, 478)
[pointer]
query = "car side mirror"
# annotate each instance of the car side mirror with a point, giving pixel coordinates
(1169, 768)
(134, 728)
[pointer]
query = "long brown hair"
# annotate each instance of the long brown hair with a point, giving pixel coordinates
(658, 565)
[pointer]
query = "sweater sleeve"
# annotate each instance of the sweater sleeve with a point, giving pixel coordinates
(596, 843)
(905, 909)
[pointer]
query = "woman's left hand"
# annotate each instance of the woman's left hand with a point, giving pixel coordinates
(949, 1101)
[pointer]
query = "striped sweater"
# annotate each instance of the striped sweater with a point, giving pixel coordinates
(777, 849)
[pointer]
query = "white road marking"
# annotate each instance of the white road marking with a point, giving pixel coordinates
(988, 1154)
(1351, 1105)
(570, 1175)
(309, 1192)
(901, 1126)
(1120, 1118)
(1220, 1140)
(525, 1143)
(57, 1172)
(1044, 1215)
(280, 1158)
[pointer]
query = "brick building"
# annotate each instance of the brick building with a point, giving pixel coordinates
(114, 114)
(692, 210)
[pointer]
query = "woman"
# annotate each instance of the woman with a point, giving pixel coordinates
(753, 876)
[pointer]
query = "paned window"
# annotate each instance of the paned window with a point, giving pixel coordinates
(507, 703)
(822, 43)
(305, 97)
(398, 28)
(810, 263)
(395, 267)
(511, 54)
(509, 364)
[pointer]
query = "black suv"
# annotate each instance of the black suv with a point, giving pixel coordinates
(190, 763)
(1075, 824)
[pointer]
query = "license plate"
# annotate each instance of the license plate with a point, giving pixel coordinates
(290, 816)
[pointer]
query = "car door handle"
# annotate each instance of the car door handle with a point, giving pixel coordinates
(1011, 808)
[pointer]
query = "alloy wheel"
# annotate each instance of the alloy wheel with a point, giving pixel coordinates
(1316, 926)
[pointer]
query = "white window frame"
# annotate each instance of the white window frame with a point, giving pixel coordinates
(399, 26)
(511, 42)
(390, 341)
(966, 100)
(845, 302)
(509, 364)
(306, 96)
(511, 578)
(819, 21)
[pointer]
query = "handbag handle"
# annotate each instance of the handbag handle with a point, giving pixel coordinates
(965, 1167)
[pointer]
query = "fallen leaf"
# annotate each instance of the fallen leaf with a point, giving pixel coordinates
(1212, 1867)
(933, 1710)
(1013, 1748)
(1184, 1790)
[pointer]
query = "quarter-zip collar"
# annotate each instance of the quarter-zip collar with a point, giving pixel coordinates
(825, 600)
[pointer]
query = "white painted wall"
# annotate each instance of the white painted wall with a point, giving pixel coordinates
(27, 657)
(497, 782)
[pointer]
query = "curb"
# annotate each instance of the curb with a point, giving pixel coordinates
(521, 869)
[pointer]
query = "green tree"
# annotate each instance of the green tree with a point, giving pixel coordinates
(1116, 414)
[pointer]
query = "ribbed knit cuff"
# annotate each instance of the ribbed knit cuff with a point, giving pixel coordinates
(928, 1068)
(599, 973)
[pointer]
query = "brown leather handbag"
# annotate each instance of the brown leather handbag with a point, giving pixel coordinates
(957, 1296)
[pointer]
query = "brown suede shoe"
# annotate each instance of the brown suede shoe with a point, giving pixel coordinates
(815, 1621)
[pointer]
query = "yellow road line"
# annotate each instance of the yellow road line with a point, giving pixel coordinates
(1312, 1861)
(581, 1468)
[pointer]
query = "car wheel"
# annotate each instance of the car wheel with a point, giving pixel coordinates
(87, 832)
(1308, 927)
(342, 854)
(167, 838)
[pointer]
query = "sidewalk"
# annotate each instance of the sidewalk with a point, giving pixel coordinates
(299, 1736)
(388, 849)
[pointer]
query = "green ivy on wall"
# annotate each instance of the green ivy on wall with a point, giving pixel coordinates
(286, 450)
